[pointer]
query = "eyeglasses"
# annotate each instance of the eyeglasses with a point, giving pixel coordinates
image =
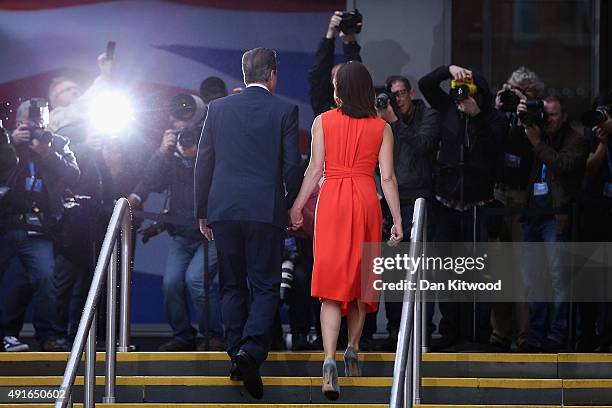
(401, 92)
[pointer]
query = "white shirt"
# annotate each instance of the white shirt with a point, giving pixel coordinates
(259, 85)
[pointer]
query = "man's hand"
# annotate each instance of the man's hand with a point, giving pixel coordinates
(21, 134)
(134, 200)
(168, 141)
(206, 230)
(106, 65)
(603, 130)
(42, 149)
(388, 114)
(469, 107)
(534, 134)
(459, 73)
(334, 22)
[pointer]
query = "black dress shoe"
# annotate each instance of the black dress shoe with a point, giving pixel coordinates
(235, 372)
(250, 374)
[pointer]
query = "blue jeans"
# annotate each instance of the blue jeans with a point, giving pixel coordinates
(36, 255)
(541, 325)
(185, 275)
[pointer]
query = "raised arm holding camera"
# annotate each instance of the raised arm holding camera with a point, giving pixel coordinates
(46, 168)
(348, 24)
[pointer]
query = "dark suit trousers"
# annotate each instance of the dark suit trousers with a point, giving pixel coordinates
(249, 251)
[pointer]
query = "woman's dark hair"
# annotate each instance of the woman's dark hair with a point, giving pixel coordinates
(355, 88)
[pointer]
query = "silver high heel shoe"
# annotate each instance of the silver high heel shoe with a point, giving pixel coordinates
(331, 388)
(351, 363)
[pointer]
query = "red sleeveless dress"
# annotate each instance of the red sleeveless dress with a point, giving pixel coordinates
(348, 211)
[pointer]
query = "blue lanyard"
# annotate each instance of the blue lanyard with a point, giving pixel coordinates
(543, 173)
(32, 169)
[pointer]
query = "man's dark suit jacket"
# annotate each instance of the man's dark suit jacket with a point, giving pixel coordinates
(249, 146)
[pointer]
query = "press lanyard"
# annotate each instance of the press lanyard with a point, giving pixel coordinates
(32, 169)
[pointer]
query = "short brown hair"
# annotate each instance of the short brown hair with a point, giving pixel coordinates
(355, 88)
(257, 64)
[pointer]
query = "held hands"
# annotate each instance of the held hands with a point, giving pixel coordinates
(296, 218)
(168, 141)
(206, 230)
(397, 234)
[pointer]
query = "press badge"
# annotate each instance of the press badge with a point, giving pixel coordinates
(607, 191)
(512, 161)
(33, 184)
(540, 189)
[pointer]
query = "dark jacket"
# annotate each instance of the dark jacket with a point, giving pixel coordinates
(415, 140)
(319, 75)
(174, 173)
(515, 143)
(565, 159)
(481, 145)
(58, 171)
(248, 155)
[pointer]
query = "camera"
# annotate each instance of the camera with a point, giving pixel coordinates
(38, 116)
(510, 100)
(155, 229)
(596, 116)
(288, 266)
(189, 136)
(188, 107)
(535, 114)
(351, 22)
(461, 90)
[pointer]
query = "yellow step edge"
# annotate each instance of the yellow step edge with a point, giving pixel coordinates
(488, 406)
(217, 405)
(515, 383)
(490, 357)
(585, 358)
(187, 356)
(54, 381)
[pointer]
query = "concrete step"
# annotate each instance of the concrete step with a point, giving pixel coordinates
(198, 389)
(191, 363)
(511, 365)
(491, 391)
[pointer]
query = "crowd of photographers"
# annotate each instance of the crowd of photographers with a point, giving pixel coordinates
(465, 151)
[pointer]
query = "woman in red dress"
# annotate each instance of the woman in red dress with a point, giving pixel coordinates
(347, 142)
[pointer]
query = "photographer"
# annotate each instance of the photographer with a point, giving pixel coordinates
(416, 136)
(554, 183)
(471, 134)
(596, 213)
(46, 168)
(320, 74)
(510, 321)
(172, 168)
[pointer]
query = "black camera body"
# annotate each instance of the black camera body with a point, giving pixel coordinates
(510, 100)
(351, 22)
(382, 100)
(535, 114)
(596, 116)
(155, 229)
(188, 137)
(40, 134)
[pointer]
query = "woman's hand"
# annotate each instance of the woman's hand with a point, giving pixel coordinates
(296, 218)
(397, 234)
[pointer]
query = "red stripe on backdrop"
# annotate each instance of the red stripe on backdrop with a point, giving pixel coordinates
(283, 6)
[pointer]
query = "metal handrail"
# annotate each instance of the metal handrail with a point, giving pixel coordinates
(121, 220)
(405, 390)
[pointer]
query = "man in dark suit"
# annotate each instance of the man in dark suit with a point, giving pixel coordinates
(249, 147)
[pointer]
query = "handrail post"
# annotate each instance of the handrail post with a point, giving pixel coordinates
(90, 366)
(111, 329)
(87, 322)
(401, 376)
(416, 345)
(126, 279)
